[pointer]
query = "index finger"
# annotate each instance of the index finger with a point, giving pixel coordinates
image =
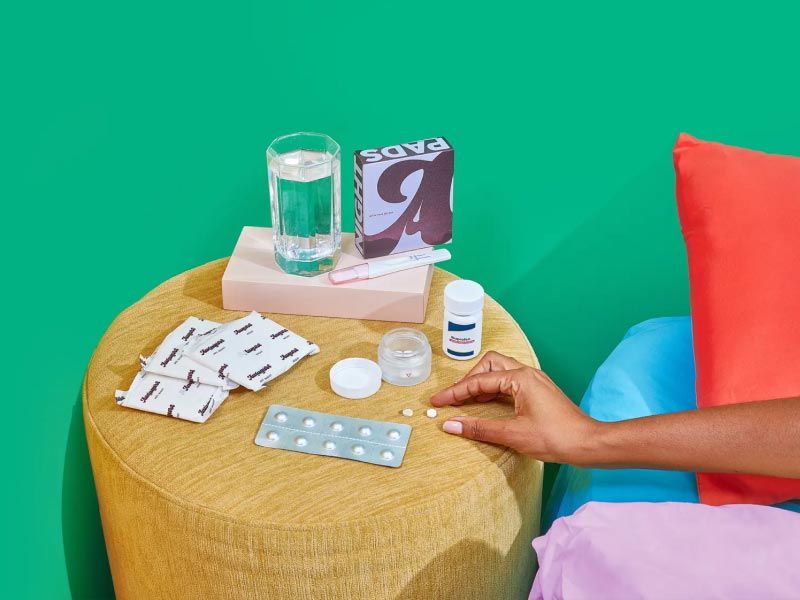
(490, 362)
(476, 386)
(494, 361)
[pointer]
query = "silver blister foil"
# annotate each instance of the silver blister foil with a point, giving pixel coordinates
(377, 442)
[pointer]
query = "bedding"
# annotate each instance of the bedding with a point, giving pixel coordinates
(637, 550)
(651, 371)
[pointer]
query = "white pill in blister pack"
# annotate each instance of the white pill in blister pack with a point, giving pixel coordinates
(376, 442)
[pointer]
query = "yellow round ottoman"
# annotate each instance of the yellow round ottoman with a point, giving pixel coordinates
(201, 512)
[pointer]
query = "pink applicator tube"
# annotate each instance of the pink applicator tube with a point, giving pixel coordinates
(377, 268)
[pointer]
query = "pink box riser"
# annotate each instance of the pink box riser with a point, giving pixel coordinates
(253, 281)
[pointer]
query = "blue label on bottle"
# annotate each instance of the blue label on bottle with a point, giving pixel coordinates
(456, 327)
(454, 353)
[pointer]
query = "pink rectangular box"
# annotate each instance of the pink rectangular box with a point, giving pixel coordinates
(253, 281)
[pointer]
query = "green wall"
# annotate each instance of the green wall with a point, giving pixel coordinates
(133, 148)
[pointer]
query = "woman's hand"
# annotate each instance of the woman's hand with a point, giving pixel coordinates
(547, 425)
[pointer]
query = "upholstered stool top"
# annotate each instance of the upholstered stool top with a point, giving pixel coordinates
(214, 473)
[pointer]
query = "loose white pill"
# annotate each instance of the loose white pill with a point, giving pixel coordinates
(358, 449)
(281, 416)
(364, 431)
(272, 436)
(407, 412)
(300, 440)
(431, 412)
(387, 455)
(308, 422)
(329, 445)
(393, 434)
(336, 426)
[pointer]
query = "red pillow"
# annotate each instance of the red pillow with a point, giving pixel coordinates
(740, 216)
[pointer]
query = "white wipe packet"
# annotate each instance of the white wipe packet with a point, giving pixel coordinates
(177, 398)
(170, 359)
(251, 351)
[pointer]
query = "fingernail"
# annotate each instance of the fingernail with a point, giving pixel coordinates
(455, 427)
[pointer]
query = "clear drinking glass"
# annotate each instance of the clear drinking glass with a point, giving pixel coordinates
(305, 198)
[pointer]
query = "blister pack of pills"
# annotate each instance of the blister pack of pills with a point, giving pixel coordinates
(377, 442)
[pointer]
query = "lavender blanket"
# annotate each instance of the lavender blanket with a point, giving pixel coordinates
(670, 550)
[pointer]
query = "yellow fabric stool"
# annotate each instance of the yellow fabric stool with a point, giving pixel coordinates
(201, 512)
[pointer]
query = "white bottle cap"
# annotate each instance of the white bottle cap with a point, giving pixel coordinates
(463, 297)
(355, 378)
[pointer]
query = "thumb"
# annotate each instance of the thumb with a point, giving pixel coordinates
(493, 431)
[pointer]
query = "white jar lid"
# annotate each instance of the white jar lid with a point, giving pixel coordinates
(355, 378)
(463, 297)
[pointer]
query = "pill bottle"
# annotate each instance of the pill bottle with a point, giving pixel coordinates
(463, 319)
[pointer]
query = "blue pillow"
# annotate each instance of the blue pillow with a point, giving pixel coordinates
(650, 372)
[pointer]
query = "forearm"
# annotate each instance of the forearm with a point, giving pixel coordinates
(757, 437)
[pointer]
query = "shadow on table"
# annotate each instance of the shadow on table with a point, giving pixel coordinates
(84, 546)
(624, 264)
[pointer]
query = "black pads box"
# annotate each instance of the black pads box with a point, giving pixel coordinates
(403, 197)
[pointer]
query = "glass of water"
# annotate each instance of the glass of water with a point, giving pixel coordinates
(305, 197)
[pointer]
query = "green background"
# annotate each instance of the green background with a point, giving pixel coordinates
(133, 148)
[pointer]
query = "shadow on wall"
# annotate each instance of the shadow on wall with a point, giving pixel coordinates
(84, 546)
(625, 264)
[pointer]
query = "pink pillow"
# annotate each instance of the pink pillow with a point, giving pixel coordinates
(670, 550)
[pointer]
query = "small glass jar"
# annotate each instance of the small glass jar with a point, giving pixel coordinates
(404, 356)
